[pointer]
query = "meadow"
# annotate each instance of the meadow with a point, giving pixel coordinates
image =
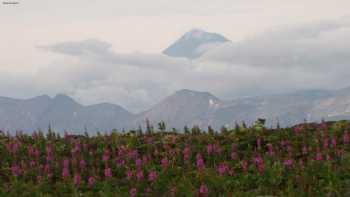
(305, 160)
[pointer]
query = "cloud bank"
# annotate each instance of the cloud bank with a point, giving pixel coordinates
(309, 56)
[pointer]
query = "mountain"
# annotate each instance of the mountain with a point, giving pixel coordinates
(194, 43)
(191, 108)
(184, 107)
(61, 112)
(181, 108)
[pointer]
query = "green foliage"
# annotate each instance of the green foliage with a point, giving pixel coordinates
(243, 161)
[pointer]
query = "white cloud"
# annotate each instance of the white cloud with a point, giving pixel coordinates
(314, 55)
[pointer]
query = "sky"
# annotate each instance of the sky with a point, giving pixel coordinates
(110, 51)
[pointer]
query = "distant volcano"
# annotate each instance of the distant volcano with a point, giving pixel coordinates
(194, 43)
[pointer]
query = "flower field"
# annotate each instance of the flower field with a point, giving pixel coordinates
(305, 160)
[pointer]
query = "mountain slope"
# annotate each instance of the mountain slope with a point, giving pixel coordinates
(184, 107)
(194, 43)
(181, 108)
(62, 113)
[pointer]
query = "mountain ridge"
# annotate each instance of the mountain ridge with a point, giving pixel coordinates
(183, 107)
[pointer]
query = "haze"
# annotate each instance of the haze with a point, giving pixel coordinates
(110, 51)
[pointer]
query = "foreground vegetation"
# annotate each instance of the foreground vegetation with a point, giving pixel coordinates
(305, 160)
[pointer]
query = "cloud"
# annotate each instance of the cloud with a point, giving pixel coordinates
(92, 72)
(308, 56)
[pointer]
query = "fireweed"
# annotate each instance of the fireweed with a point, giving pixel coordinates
(305, 160)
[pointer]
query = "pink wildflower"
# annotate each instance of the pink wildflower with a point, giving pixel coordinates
(138, 163)
(77, 179)
(82, 164)
(108, 172)
(91, 181)
(200, 162)
(16, 171)
(152, 176)
(164, 163)
(65, 172)
(203, 190)
(210, 149)
(139, 175)
(133, 192)
(288, 163)
(129, 174)
(222, 168)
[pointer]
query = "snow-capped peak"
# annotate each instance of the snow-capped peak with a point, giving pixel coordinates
(190, 45)
(195, 33)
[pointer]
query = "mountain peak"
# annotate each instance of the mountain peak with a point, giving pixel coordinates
(192, 44)
(200, 34)
(192, 92)
(64, 99)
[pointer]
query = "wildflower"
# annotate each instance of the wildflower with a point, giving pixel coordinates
(49, 157)
(152, 176)
(297, 130)
(133, 192)
(319, 156)
(13, 147)
(30, 150)
(139, 175)
(77, 179)
(145, 159)
(82, 164)
(217, 149)
(138, 163)
(66, 135)
(257, 159)
(105, 157)
(244, 165)
(91, 181)
(203, 190)
(66, 163)
(120, 162)
(46, 168)
(164, 163)
(222, 168)
(259, 162)
(339, 152)
(288, 163)
(200, 162)
(186, 153)
(36, 152)
(258, 143)
(334, 142)
(49, 153)
(210, 149)
(325, 143)
(132, 154)
(129, 174)
(16, 171)
(35, 135)
(270, 149)
(65, 172)
(32, 164)
(108, 172)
